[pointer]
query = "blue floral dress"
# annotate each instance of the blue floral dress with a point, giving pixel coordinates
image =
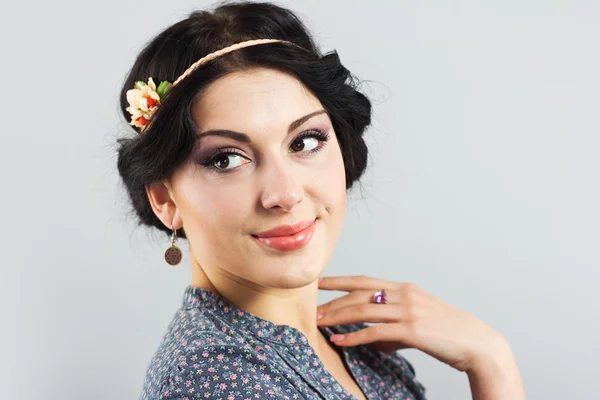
(214, 350)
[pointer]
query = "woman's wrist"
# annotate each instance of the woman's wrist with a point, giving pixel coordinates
(495, 375)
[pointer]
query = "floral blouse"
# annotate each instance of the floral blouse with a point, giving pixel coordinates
(214, 350)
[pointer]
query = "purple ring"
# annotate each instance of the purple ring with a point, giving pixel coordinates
(380, 297)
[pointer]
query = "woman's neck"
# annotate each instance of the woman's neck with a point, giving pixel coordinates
(293, 307)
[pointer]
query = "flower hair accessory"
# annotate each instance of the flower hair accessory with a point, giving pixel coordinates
(145, 98)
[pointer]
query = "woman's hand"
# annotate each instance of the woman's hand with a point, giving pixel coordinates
(412, 318)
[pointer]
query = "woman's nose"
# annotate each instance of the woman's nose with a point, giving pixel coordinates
(282, 188)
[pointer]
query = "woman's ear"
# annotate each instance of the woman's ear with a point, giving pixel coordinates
(163, 204)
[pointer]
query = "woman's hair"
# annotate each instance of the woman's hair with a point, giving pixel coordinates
(168, 140)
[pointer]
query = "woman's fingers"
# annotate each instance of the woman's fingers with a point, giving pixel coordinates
(352, 298)
(351, 283)
(398, 333)
(365, 312)
(411, 318)
(358, 297)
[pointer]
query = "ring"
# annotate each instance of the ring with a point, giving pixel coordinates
(380, 297)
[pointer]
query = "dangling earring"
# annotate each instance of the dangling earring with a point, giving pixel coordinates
(173, 254)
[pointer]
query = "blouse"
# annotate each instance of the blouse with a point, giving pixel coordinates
(215, 350)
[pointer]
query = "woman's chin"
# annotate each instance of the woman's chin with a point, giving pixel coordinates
(291, 280)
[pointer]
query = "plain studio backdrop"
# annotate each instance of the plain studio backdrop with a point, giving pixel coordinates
(482, 187)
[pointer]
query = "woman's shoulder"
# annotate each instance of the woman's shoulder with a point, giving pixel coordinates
(210, 370)
(201, 356)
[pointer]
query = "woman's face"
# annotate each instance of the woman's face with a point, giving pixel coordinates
(266, 156)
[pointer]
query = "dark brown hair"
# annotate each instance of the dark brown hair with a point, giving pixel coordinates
(168, 141)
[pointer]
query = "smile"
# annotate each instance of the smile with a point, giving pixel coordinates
(287, 237)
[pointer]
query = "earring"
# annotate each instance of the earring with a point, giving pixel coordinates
(173, 254)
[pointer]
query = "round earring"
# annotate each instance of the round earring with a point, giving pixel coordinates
(173, 254)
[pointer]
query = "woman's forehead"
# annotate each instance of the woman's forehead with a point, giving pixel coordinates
(258, 97)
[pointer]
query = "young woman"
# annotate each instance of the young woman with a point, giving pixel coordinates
(246, 141)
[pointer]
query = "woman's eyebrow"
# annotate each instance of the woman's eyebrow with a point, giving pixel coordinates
(242, 137)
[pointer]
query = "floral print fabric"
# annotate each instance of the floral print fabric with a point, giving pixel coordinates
(214, 350)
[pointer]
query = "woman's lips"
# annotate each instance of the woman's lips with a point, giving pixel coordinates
(287, 237)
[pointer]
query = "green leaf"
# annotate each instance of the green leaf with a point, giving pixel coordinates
(139, 84)
(163, 88)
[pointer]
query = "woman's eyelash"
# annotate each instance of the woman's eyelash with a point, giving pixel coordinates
(321, 136)
(210, 161)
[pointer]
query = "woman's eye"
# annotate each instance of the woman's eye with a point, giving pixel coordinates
(305, 144)
(228, 161)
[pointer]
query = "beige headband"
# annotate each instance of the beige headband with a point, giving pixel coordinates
(145, 98)
(225, 50)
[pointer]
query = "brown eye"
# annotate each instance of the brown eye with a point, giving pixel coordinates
(298, 145)
(222, 162)
(226, 161)
(305, 144)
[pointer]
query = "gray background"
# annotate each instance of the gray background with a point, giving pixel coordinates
(482, 187)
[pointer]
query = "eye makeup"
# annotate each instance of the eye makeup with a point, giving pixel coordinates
(318, 134)
(220, 157)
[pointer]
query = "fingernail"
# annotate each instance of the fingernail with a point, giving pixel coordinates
(319, 316)
(336, 338)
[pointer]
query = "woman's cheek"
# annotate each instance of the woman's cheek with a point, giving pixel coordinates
(227, 204)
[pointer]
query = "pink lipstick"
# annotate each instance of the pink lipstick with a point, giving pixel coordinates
(287, 237)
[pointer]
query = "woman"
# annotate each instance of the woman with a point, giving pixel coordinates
(247, 139)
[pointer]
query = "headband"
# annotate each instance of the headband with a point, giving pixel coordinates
(145, 97)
